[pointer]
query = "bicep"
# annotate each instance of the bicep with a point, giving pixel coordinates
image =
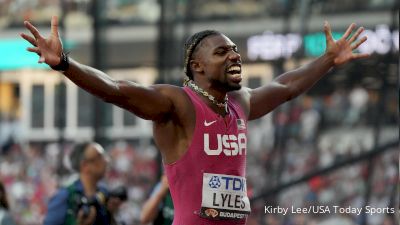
(152, 103)
(266, 98)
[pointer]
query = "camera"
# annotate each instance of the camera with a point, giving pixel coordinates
(118, 192)
(85, 203)
(100, 199)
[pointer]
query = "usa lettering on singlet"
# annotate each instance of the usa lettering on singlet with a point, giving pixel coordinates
(224, 197)
(228, 144)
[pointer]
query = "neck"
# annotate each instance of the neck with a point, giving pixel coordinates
(221, 104)
(89, 185)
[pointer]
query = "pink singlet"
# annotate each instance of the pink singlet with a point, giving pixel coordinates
(208, 184)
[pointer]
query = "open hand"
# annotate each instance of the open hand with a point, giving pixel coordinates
(49, 50)
(342, 50)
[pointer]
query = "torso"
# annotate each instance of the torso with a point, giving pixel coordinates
(212, 146)
(173, 136)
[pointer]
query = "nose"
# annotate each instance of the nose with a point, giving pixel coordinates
(235, 56)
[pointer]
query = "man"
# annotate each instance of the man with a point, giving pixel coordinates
(84, 201)
(5, 215)
(201, 128)
(116, 198)
(159, 208)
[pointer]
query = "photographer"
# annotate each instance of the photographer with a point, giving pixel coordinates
(5, 216)
(84, 201)
(116, 197)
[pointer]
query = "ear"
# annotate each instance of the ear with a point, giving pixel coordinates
(196, 66)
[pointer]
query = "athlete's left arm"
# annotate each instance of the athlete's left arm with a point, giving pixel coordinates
(293, 83)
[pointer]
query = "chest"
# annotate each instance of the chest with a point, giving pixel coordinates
(225, 136)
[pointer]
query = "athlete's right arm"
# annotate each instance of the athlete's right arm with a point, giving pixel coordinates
(150, 103)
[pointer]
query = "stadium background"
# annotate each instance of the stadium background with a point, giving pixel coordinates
(336, 145)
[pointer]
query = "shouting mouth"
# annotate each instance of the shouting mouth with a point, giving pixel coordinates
(235, 72)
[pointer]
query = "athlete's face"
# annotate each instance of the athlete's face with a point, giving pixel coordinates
(220, 62)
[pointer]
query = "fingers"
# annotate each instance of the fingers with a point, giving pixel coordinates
(361, 56)
(328, 31)
(348, 31)
(355, 36)
(35, 50)
(42, 59)
(54, 26)
(32, 29)
(92, 215)
(88, 219)
(80, 216)
(358, 43)
(29, 39)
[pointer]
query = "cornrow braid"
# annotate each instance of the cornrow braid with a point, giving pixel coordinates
(190, 47)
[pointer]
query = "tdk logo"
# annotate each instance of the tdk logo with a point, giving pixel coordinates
(230, 145)
(228, 183)
(215, 182)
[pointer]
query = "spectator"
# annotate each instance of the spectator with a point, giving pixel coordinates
(5, 217)
(159, 208)
(116, 197)
(84, 201)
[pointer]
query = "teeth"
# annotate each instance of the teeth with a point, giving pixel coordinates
(234, 68)
(236, 75)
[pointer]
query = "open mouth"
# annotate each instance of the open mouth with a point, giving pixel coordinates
(234, 70)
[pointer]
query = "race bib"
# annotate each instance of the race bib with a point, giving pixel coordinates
(224, 197)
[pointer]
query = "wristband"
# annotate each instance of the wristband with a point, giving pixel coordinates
(64, 63)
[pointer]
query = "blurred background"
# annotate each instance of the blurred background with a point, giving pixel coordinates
(336, 145)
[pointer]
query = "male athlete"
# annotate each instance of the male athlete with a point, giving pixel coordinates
(201, 128)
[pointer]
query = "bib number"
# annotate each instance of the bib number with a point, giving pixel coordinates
(224, 197)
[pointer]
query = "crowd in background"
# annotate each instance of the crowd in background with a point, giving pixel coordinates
(13, 12)
(300, 137)
(313, 133)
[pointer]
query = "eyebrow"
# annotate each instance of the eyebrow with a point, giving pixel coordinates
(225, 47)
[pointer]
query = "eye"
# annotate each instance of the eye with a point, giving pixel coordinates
(220, 52)
(235, 49)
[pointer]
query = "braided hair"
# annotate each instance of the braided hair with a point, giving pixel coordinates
(190, 48)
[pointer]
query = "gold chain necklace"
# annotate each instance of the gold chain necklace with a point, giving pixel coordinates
(199, 90)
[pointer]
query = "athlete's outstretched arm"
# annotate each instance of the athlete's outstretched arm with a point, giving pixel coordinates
(293, 83)
(147, 102)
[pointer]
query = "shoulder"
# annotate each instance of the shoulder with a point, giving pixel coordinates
(176, 94)
(169, 90)
(6, 218)
(62, 193)
(57, 208)
(59, 198)
(242, 97)
(101, 187)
